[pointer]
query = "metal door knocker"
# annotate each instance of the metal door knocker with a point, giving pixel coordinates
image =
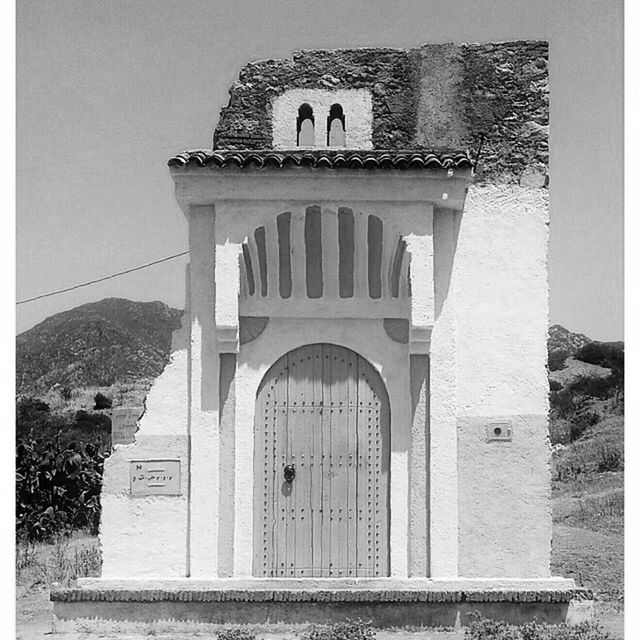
(289, 472)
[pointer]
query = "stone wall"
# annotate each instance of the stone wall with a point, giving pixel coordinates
(437, 97)
(246, 122)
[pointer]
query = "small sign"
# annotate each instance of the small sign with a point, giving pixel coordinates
(155, 477)
(124, 422)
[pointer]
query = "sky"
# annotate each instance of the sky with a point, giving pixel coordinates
(107, 92)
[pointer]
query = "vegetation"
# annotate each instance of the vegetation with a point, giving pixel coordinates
(485, 629)
(236, 633)
(348, 630)
(96, 344)
(59, 464)
(62, 560)
(557, 359)
(101, 402)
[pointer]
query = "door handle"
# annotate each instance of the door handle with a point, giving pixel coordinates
(289, 472)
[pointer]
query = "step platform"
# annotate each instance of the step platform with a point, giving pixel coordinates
(101, 605)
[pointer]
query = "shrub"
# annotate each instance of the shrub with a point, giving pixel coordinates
(556, 359)
(101, 402)
(57, 487)
(348, 630)
(236, 633)
(588, 456)
(483, 629)
(554, 385)
(559, 430)
(609, 355)
(580, 423)
(66, 393)
(609, 456)
(594, 386)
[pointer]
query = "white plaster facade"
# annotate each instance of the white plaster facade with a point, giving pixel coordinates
(461, 506)
(356, 105)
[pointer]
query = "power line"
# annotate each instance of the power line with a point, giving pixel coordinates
(113, 275)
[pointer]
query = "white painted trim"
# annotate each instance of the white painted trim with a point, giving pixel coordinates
(203, 427)
(443, 423)
(330, 254)
(273, 257)
(360, 307)
(360, 257)
(385, 355)
(298, 260)
(309, 186)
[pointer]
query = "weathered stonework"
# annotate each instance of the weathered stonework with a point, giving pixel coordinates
(490, 97)
(246, 122)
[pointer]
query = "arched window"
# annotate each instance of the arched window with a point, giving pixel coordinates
(306, 122)
(336, 136)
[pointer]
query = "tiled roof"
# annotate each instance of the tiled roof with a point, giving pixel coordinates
(327, 159)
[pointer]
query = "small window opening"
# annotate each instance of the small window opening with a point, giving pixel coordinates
(336, 136)
(305, 126)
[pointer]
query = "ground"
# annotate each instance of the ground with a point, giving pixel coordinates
(587, 545)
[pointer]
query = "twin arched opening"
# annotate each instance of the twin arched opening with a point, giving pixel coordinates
(305, 126)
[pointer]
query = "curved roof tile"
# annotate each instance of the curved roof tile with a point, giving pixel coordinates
(322, 159)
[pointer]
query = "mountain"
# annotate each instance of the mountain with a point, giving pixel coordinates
(561, 339)
(96, 344)
(121, 341)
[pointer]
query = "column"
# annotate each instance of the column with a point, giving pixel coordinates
(443, 506)
(203, 397)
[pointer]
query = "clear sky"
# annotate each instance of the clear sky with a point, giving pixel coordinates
(108, 91)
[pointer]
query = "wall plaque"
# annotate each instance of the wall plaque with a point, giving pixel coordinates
(155, 477)
(124, 422)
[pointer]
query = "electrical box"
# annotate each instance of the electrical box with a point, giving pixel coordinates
(499, 430)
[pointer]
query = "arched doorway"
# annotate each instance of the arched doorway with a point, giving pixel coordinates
(321, 467)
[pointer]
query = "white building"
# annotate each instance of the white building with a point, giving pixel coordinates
(358, 394)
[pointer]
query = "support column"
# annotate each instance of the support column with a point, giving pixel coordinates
(443, 433)
(419, 466)
(420, 251)
(421, 273)
(203, 397)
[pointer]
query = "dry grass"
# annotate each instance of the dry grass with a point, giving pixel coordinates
(61, 563)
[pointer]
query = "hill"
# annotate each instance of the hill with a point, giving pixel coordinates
(561, 339)
(96, 344)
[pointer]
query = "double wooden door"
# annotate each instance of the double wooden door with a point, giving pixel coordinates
(321, 467)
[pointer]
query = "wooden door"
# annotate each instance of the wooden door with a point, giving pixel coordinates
(324, 410)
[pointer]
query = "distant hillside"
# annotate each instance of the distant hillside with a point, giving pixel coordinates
(118, 341)
(561, 339)
(96, 344)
